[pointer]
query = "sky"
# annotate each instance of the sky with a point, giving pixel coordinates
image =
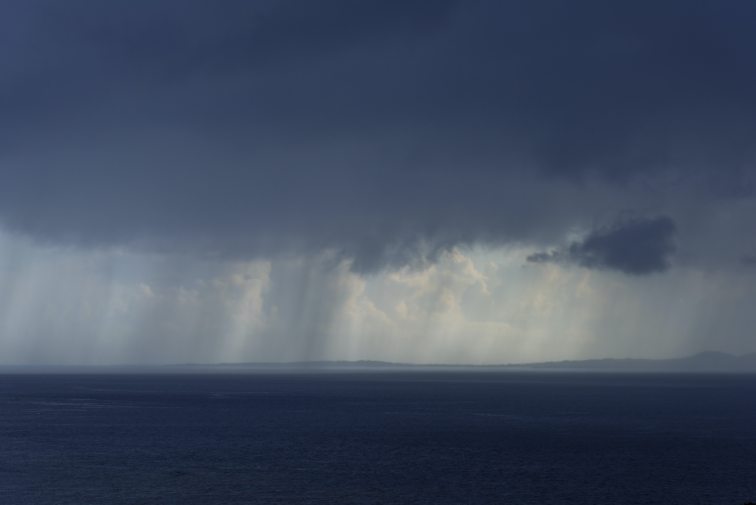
(467, 181)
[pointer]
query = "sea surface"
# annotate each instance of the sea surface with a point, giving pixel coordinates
(377, 438)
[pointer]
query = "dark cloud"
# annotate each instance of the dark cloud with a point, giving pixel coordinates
(636, 246)
(386, 130)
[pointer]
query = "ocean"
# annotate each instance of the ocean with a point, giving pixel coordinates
(424, 437)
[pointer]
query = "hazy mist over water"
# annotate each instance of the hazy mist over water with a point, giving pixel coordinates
(66, 306)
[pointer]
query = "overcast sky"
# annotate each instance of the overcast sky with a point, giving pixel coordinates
(448, 181)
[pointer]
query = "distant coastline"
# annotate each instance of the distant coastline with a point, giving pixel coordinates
(703, 362)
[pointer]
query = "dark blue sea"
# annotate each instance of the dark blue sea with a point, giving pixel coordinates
(377, 438)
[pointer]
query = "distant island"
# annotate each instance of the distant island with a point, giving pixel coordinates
(708, 361)
(703, 362)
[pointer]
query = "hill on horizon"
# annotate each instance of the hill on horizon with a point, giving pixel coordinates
(705, 361)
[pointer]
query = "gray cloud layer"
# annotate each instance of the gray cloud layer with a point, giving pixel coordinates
(385, 130)
(635, 246)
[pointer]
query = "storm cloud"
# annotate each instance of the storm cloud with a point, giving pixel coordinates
(636, 246)
(459, 181)
(386, 131)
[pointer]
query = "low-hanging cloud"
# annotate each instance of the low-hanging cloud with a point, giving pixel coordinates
(387, 131)
(637, 246)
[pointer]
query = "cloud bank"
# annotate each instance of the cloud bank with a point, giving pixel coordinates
(386, 131)
(289, 179)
